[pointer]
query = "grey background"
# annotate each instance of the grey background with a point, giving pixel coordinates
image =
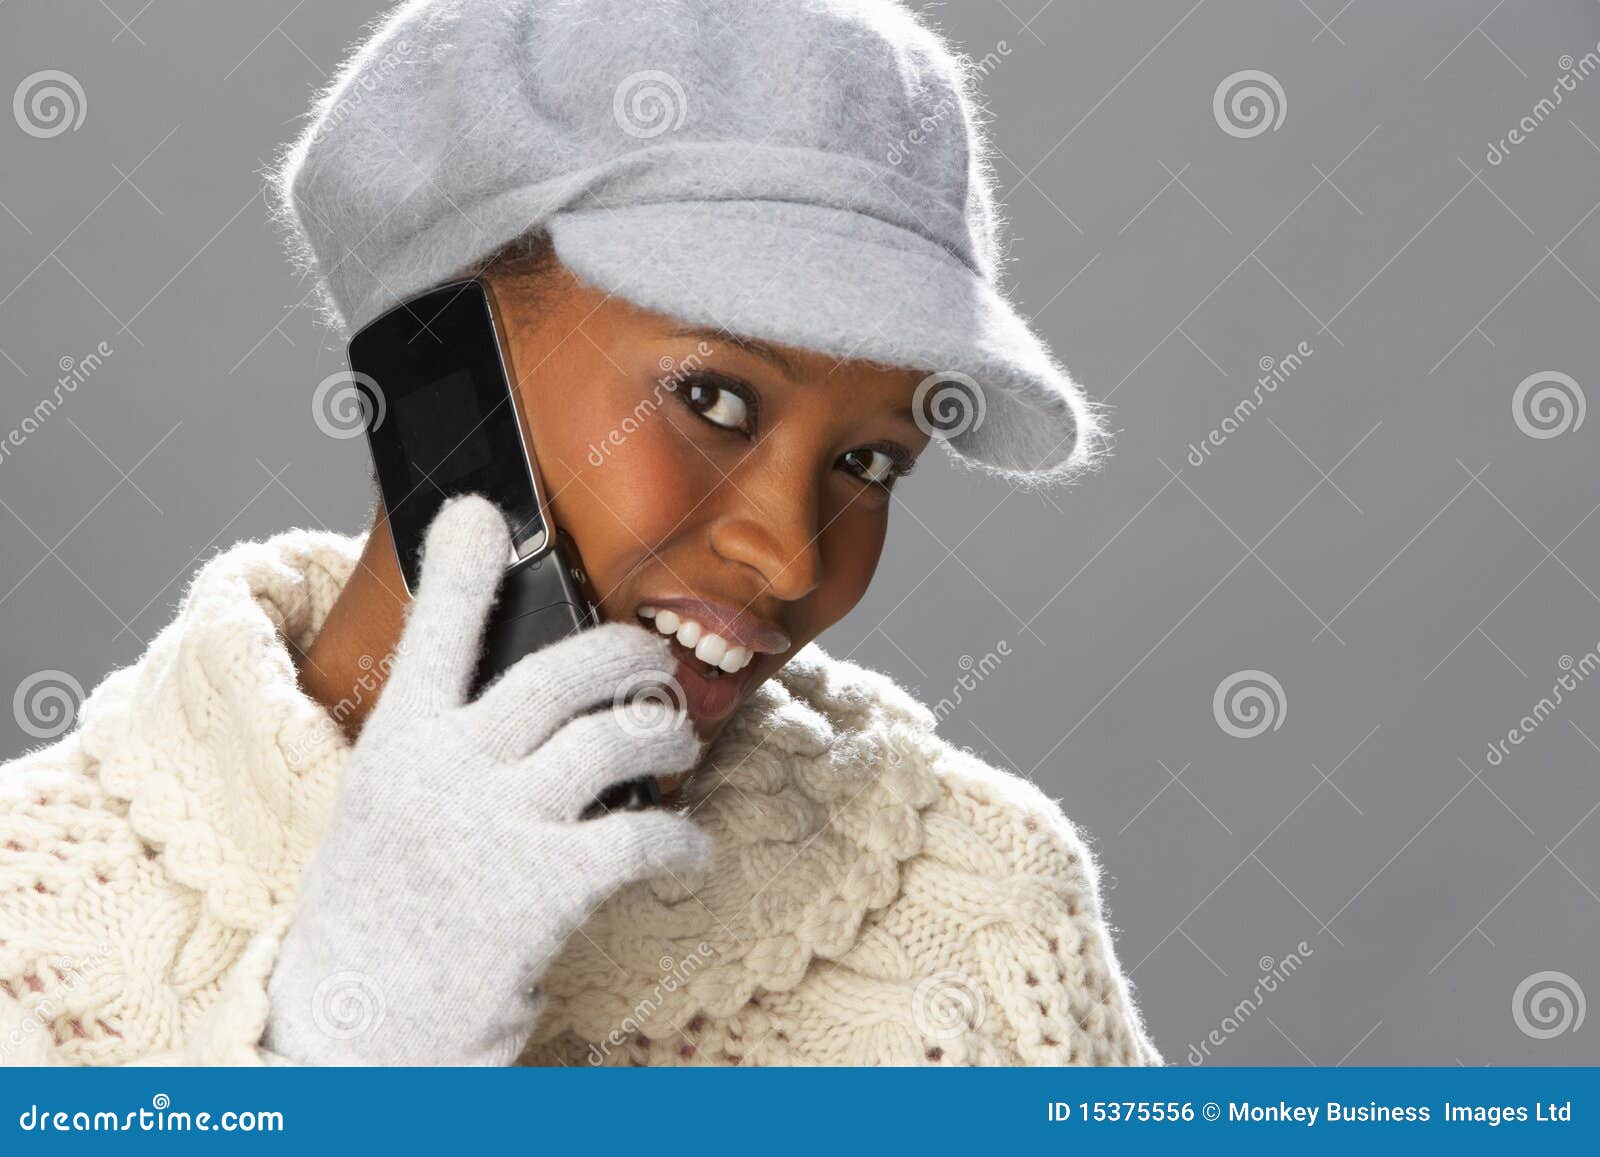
(1380, 535)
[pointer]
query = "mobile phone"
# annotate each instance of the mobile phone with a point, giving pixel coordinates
(442, 419)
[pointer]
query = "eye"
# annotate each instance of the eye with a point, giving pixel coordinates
(878, 465)
(721, 403)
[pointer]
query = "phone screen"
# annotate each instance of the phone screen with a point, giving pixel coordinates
(441, 419)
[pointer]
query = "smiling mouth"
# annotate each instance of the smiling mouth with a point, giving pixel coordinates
(713, 656)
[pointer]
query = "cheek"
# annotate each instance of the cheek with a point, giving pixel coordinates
(851, 548)
(622, 490)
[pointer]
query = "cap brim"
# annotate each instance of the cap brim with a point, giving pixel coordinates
(850, 286)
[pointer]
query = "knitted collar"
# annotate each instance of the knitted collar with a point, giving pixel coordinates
(813, 795)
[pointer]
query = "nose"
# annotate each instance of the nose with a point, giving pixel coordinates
(771, 526)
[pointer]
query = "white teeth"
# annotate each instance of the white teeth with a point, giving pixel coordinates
(710, 649)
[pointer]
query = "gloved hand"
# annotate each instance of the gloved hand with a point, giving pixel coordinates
(454, 866)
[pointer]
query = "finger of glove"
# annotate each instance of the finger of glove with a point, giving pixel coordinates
(464, 557)
(633, 846)
(593, 752)
(609, 664)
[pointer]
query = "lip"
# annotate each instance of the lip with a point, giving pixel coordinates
(736, 626)
(708, 700)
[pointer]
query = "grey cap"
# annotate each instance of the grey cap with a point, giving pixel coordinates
(809, 172)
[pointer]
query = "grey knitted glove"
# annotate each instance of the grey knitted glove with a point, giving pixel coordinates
(454, 866)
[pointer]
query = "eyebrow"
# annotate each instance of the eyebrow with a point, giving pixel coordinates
(749, 345)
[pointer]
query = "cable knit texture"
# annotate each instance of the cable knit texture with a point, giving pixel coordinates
(876, 895)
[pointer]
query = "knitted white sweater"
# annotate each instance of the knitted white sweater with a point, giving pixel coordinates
(877, 896)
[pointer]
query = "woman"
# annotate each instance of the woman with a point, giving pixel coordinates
(286, 835)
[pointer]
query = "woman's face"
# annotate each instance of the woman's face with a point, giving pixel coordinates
(714, 486)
